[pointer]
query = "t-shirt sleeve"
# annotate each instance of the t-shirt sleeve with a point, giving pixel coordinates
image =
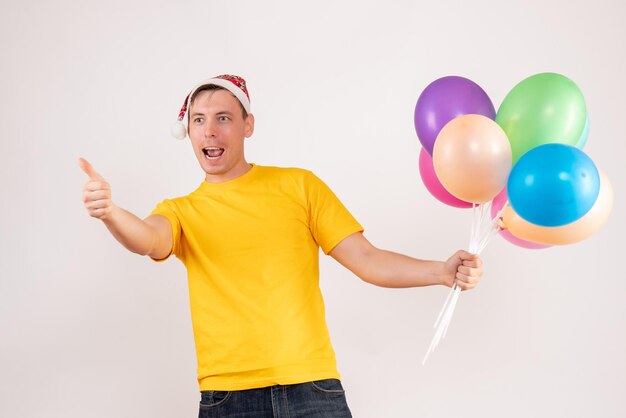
(329, 220)
(167, 208)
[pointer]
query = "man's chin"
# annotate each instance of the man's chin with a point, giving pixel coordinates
(214, 171)
(213, 165)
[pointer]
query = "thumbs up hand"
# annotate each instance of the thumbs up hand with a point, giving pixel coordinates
(96, 192)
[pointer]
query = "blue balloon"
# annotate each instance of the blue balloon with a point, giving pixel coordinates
(553, 185)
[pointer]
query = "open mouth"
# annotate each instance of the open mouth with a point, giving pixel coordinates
(213, 153)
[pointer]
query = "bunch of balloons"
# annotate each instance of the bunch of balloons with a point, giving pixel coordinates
(524, 162)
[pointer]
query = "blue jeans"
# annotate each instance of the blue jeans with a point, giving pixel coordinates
(319, 399)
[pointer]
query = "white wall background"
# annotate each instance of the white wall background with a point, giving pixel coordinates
(88, 329)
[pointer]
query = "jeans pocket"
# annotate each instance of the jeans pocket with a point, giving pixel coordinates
(328, 386)
(213, 398)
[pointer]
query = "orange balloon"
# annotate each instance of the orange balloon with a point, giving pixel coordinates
(472, 158)
(571, 233)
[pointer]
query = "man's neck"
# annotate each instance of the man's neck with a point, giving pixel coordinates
(230, 175)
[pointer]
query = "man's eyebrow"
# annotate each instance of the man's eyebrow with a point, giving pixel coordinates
(221, 112)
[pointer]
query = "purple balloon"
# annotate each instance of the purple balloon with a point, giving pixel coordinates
(445, 99)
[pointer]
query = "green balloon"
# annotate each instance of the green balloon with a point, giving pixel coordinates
(544, 108)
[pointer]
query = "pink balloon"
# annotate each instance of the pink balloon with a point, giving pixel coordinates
(497, 204)
(434, 186)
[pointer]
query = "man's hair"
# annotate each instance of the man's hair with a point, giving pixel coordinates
(213, 87)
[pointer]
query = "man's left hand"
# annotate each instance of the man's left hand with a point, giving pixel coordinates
(464, 269)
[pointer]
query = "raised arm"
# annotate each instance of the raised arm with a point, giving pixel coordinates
(151, 236)
(388, 269)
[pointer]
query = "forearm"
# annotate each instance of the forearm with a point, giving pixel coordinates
(388, 269)
(132, 232)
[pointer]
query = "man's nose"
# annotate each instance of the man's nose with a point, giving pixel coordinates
(209, 128)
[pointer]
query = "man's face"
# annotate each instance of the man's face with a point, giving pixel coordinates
(217, 131)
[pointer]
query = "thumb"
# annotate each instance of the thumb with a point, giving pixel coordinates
(465, 255)
(88, 169)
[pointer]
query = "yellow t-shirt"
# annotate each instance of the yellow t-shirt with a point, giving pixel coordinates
(251, 248)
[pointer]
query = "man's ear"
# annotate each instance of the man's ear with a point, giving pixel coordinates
(249, 125)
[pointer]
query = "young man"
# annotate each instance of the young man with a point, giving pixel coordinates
(249, 237)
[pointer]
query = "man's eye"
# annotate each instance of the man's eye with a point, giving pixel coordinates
(223, 118)
(198, 120)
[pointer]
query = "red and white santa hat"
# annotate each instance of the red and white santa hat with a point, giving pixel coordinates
(235, 84)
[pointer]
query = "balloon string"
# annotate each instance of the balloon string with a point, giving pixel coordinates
(473, 229)
(445, 305)
(455, 299)
(478, 241)
(473, 232)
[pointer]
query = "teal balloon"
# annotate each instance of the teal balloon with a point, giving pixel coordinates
(583, 137)
(542, 109)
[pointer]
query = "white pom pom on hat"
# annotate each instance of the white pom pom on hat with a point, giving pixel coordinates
(235, 84)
